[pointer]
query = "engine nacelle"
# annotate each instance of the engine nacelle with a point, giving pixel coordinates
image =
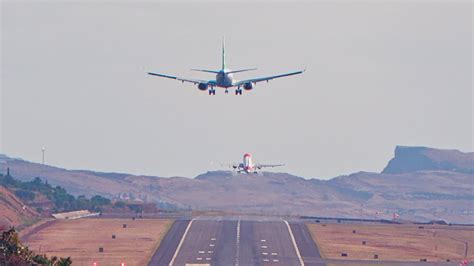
(202, 86)
(248, 86)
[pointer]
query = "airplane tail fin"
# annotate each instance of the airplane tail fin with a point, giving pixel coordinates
(223, 53)
(241, 70)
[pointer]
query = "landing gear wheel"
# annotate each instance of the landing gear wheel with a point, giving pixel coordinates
(226, 91)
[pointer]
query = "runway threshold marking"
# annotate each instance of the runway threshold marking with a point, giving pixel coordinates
(294, 243)
(237, 251)
(181, 243)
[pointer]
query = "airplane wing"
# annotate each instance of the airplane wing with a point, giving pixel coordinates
(260, 166)
(194, 81)
(228, 165)
(255, 80)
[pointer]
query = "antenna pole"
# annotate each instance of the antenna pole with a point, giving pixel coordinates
(43, 149)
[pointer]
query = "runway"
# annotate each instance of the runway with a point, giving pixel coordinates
(169, 244)
(233, 241)
(307, 248)
(249, 240)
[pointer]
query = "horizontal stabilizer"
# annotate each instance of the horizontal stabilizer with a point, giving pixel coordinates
(241, 70)
(205, 70)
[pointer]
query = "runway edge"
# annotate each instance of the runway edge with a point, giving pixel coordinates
(168, 246)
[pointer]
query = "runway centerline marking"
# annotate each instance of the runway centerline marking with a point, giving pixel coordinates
(237, 251)
(181, 243)
(294, 243)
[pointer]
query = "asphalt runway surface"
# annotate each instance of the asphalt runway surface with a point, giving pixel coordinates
(169, 243)
(242, 241)
(235, 241)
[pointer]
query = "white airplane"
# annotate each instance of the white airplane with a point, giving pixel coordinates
(224, 78)
(248, 167)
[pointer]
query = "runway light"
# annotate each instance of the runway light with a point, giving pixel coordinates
(95, 264)
(122, 264)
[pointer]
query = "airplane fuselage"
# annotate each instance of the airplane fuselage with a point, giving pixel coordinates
(247, 165)
(224, 79)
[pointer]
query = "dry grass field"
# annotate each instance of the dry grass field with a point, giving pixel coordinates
(80, 239)
(394, 242)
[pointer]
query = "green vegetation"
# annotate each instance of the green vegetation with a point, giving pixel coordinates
(63, 201)
(13, 252)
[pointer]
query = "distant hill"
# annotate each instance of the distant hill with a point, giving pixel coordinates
(412, 159)
(437, 186)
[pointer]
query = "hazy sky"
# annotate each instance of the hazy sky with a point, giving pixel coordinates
(73, 78)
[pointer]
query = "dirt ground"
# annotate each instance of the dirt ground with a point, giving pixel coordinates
(81, 239)
(394, 242)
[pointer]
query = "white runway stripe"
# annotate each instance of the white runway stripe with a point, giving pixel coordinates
(294, 242)
(181, 243)
(237, 252)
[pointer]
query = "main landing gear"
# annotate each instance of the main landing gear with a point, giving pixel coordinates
(238, 92)
(212, 92)
(226, 91)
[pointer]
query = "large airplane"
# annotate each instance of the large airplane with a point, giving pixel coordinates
(248, 167)
(224, 78)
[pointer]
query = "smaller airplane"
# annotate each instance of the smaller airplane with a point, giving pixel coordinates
(248, 167)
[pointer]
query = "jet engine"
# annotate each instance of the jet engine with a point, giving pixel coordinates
(202, 86)
(248, 86)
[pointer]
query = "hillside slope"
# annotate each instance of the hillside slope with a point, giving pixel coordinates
(410, 189)
(13, 212)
